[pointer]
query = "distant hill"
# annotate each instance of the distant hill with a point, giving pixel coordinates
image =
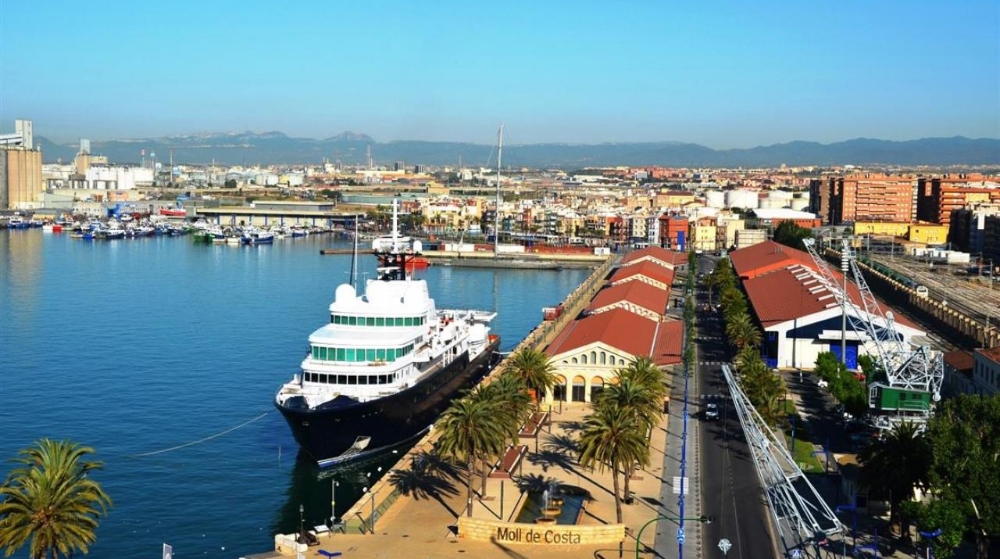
(248, 148)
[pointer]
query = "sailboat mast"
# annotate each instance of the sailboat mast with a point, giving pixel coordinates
(496, 226)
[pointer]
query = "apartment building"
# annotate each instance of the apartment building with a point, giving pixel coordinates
(869, 196)
(938, 197)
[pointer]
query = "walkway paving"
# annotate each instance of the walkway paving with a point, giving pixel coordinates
(422, 521)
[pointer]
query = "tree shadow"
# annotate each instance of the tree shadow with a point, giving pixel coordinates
(551, 457)
(562, 442)
(431, 478)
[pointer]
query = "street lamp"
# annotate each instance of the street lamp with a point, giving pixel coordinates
(333, 502)
(638, 539)
(302, 522)
(930, 536)
(853, 509)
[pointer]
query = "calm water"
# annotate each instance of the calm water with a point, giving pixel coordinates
(136, 346)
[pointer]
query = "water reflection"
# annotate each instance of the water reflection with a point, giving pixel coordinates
(311, 487)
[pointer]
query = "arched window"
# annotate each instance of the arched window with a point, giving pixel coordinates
(593, 357)
(584, 358)
(574, 361)
(604, 358)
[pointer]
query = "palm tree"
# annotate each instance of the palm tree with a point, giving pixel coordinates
(469, 430)
(612, 438)
(50, 502)
(511, 404)
(638, 400)
(742, 332)
(897, 463)
(534, 368)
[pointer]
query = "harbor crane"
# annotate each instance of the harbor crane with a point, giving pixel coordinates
(912, 374)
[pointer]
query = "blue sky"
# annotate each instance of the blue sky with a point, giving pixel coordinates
(722, 74)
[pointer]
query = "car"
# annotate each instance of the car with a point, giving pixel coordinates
(712, 411)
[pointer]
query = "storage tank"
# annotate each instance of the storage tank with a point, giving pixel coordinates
(742, 199)
(715, 199)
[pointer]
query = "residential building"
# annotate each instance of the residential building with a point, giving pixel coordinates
(748, 237)
(704, 235)
(938, 197)
(986, 371)
(871, 197)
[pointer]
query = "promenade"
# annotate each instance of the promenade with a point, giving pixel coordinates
(422, 522)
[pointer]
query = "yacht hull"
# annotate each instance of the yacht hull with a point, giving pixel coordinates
(330, 429)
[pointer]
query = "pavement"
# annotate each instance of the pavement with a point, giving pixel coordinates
(421, 523)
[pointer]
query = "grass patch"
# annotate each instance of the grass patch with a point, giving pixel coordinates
(803, 453)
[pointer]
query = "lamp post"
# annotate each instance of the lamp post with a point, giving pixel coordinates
(333, 502)
(302, 523)
(638, 539)
(853, 509)
(930, 536)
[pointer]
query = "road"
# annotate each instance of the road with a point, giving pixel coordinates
(730, 488)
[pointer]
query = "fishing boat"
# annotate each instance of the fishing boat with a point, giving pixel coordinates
(256, 236)
(386, 365)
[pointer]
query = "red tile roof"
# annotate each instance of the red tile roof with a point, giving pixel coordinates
(648, 269)
(796, 292)
(959, 360)
(993, 354)
(671, 258)
(625, 331)
(765, 257)
(638, 293)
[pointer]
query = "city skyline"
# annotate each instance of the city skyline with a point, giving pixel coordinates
(739, 77)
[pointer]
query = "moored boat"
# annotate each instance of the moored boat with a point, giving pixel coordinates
(386, 366)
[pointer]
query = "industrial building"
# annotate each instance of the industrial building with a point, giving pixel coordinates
(21, 183)
(800, 318)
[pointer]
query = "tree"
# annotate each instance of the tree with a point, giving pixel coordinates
(790, 234)
(534, 369)
(508, 397)
(612, 438)
(964, 439)
(742, 332)
(896, 464)
(469, 430)
(49, 503)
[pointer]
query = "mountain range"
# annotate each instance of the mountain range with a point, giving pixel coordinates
(248, 148)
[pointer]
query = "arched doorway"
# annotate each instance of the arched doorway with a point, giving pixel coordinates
(579, 389)
(559, 389)
(596, 387)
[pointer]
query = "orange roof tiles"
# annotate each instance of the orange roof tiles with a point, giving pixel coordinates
(625, 331)
(648, 269)
(638, 293)
(765, 257)
(668, 257)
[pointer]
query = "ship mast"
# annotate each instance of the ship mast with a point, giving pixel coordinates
(496, 225)
(354, 262)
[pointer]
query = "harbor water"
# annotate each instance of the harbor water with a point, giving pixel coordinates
(164, 356)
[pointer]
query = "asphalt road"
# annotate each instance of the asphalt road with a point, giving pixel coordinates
(730, 489)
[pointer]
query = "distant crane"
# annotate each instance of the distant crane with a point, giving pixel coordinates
(913, 375)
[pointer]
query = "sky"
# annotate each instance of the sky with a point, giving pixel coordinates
(721, 74)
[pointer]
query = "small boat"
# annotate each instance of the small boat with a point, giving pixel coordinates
(173, 212)
(257, 237)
